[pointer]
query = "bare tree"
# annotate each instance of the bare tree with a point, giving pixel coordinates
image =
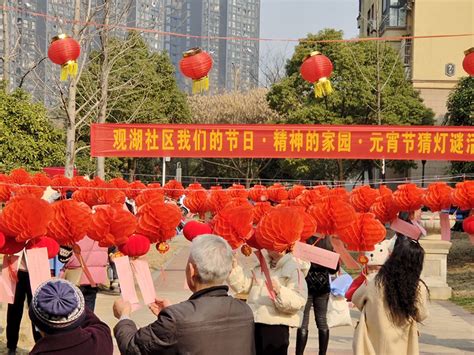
(235, 107)
(9, 51)
(272, 66)
(6, 46)
(104, 80)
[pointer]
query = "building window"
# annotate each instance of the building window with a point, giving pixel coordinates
(395, 14)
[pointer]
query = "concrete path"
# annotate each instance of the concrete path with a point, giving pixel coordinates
(448, 330)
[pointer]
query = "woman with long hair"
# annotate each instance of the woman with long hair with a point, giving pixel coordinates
(393, 303)
(318, 298)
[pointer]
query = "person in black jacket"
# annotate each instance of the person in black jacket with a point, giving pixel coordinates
(318, 297)
(209, 322)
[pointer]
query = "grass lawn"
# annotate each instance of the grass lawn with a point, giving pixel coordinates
(461, 271)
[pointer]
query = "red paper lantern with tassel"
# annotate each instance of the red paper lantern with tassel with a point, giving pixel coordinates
(64, 51)
(196, 64)
(468, 62)
(317, 69)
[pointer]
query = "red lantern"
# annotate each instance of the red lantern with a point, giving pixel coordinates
(11, 246)
(162, 247)
(50, 244)
(137, 245)
(2, 240)
(193, 229)
(64, 51)
(468, 62)
(196, 65)
(468, 225)
(317, 69)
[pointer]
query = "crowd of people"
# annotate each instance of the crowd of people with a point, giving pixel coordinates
(392, 300)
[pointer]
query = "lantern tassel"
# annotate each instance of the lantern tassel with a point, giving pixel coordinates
(201, 85)
(69, 70)
(323, 87)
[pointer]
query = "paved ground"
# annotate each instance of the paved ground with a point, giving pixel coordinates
(448, 330)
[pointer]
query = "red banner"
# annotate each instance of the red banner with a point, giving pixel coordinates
(283, 141)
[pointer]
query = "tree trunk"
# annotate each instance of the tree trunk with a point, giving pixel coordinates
(71, 105)
(341, 170)
(6, 47)
(104, 82)
(132, 167)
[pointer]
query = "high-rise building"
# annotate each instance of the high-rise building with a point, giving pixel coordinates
(30, 34)
(235, 60)
(434, 65)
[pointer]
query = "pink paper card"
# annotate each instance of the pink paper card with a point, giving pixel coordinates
(445, 226)
(7, 282)
(6, 295)
(419, 226)
(127, 285)
(141, 269)
(346, 258)
(38, 267)
(316, 255)
(405, 228)
(266, 273)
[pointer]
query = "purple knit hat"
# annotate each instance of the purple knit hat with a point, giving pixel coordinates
(57, 306)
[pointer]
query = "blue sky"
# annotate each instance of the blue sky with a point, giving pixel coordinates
(297, 18)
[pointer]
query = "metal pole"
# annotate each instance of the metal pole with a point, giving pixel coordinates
(178, 172)
(163, 172)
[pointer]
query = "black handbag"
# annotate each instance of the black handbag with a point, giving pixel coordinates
(318, 281)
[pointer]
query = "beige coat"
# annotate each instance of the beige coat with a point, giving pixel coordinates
(376, 334)
(287, 309)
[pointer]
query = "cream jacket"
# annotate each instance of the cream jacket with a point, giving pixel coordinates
(376, 334)
(287, 309)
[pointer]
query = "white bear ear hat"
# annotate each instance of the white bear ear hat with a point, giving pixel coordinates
(380, 254)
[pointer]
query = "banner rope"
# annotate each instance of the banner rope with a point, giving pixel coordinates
(225, 38)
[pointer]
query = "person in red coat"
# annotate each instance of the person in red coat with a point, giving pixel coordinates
(66, 325)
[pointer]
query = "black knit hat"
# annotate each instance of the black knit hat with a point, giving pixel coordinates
(57, 306)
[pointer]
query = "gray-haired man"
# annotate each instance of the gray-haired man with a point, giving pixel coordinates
(210, 323)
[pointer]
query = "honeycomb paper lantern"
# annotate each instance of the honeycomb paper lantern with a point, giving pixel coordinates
(70, 221)
(279, 229)
(111, 225)
(437, 196)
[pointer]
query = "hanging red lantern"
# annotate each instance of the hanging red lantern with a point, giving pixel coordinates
(468, 62)
(317, 69)
(137, 245)
(162, 247)
(193, 229)
(64, 51)
(50, 244)
(196, 64)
